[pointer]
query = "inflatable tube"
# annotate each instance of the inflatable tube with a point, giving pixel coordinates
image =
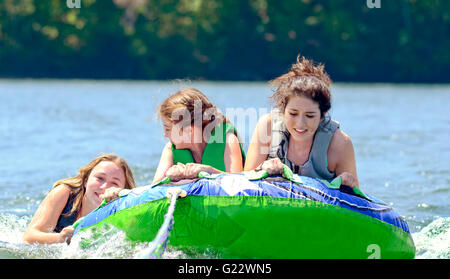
(263, 218)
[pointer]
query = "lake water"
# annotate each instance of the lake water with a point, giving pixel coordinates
(50, 128)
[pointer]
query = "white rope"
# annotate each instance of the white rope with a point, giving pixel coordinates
(158, 245)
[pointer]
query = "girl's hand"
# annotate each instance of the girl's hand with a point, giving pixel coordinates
(192, 169)
(111, 193)
(66, 234)
(176, 172)
(273, 166)
(348, 179)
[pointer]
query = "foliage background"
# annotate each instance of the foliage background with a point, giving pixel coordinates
(403, 41)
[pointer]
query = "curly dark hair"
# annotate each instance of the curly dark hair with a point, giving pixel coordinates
(304, 79)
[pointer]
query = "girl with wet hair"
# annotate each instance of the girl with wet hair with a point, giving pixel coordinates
(201, 138)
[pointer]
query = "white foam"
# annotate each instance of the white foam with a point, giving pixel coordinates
(433, 241)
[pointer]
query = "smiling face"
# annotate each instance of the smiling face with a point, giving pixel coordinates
(104, 175)
(302, 117)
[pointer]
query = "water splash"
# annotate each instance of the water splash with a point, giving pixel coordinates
(11, 245)
(433, 241)
(113, 244)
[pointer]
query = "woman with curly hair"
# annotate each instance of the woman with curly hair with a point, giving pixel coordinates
(299, 133)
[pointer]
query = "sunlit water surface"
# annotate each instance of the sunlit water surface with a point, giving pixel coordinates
(49, 129)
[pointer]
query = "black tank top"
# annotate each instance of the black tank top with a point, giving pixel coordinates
(65, 221)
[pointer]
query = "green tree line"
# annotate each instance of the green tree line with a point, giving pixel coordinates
(403, 41)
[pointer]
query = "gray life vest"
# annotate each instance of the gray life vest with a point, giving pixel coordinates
(317, 164)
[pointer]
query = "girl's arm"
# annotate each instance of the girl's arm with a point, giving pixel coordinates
(40, 229)
(165, 162)
(233, 155)
(258, 149)
(341, 158)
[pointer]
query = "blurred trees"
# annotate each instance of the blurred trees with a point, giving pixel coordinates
(403, 41)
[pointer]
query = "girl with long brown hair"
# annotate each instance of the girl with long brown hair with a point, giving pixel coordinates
(299, 133)
(73, 198)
